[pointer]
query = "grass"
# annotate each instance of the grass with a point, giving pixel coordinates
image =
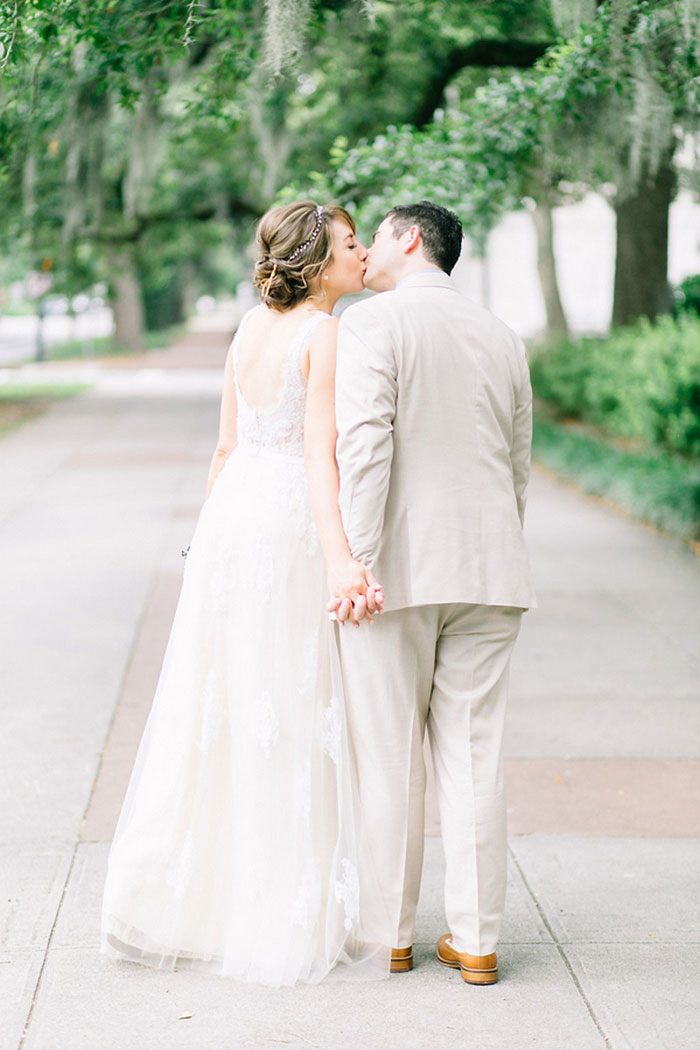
(82, 349)
(654, 486)
(21, 402)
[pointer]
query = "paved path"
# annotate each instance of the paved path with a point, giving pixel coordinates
(601, 944)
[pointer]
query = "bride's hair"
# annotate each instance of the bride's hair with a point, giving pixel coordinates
(295, 245)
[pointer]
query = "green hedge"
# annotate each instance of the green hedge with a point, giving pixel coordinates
(642, 381)
(687, 295)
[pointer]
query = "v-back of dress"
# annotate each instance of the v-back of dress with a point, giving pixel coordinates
(280, 426)
(236, 846)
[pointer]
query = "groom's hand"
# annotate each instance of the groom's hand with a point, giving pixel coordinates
(344, 611)
(356, 594)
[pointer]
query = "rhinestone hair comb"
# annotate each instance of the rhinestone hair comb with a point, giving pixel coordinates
(307, 244)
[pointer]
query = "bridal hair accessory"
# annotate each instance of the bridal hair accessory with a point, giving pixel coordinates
(307, 244)
(268, 282)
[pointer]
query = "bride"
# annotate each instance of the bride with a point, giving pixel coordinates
(236, 846)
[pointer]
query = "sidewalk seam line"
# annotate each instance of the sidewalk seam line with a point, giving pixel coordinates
(632, 609)
(560, 949)
(37, 986)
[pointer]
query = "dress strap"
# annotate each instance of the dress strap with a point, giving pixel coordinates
(296, 346)
(300, 343)
(308, 327)
(316, 317)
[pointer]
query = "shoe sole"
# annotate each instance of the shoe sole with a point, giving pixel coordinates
(477, 977)
(401, 965)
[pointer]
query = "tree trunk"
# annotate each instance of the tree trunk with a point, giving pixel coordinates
(547, 269)
(188, 288)
(128, 304)
(641, 264)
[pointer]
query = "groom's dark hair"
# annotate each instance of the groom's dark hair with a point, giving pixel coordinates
(440, 230)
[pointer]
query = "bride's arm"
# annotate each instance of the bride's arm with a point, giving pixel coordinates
(345, 575)
(227, 425)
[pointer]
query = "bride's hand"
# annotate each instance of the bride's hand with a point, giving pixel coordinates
(356, 594)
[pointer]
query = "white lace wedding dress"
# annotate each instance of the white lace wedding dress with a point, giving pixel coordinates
(236, 847)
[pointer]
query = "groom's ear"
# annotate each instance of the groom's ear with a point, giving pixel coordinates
(411, 238)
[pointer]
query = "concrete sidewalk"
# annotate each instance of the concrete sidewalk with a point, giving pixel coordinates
(601, 943)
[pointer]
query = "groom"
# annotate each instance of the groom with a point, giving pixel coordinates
(433, 410)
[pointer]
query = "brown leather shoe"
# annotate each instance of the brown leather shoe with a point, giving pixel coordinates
(401, 959)
(475, 969)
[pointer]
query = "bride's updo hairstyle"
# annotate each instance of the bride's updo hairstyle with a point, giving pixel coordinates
(295, 245)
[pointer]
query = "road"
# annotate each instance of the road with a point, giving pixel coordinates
(18, 335)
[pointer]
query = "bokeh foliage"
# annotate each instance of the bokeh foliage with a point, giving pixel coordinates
(148, 137)
(642, 381)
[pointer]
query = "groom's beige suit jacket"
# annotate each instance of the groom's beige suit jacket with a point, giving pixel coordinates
(434, 413)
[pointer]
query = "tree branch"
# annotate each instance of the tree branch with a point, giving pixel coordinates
(520, 54)
(126, 234)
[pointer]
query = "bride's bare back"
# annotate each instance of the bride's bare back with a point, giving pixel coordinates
(263, 351)
(257, 368)
(270, 370)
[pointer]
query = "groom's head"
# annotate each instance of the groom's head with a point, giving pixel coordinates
(413, 237)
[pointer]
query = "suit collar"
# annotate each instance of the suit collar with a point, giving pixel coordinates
(426, 279)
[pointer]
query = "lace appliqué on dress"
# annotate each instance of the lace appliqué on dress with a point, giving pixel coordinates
(221, 582)
(280, 426)
(307, 903)
(331, 729)
(292, 497)
(347, 892)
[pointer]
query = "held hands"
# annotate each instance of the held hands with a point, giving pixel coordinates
(356, 594)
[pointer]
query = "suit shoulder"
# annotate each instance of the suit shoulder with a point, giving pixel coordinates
(497, 328)
(371, 308)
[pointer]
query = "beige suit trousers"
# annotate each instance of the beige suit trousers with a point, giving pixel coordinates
(444, 666)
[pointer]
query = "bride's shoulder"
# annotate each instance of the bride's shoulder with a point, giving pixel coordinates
(254, 315)
(324, 329)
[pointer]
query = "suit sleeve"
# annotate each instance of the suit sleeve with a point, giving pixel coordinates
(521, 445)
(366, 391)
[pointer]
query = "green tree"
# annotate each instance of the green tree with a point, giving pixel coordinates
(96, 104)
(132, 128)
(607, 105)
(627, 87)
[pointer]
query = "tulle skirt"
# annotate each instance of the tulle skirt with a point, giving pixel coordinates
(237, 847)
